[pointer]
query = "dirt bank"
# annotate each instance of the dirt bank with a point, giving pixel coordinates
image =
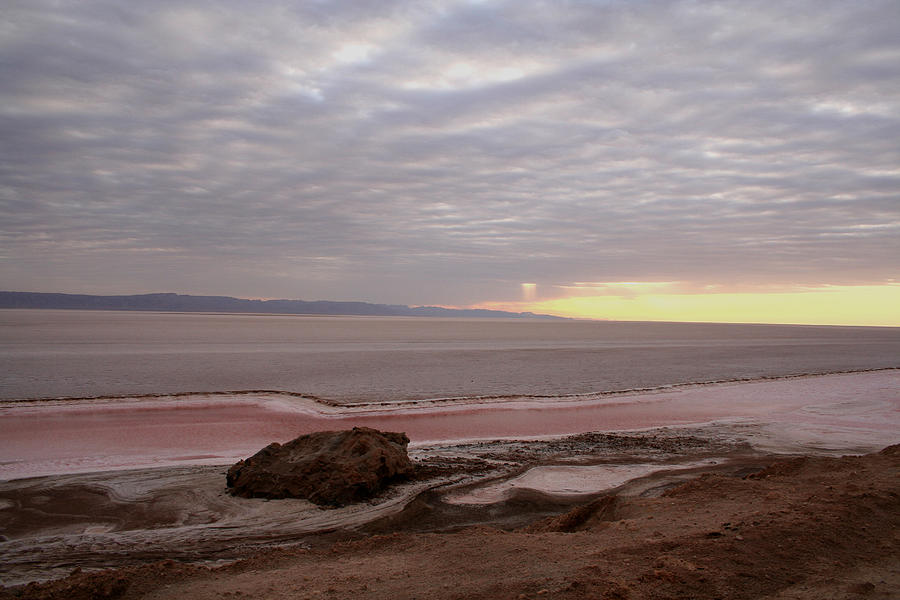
(52, 525)
(801, 528)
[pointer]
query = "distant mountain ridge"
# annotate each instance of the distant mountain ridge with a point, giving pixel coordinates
(187, 303)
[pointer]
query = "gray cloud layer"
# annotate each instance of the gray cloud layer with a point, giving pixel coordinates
(446, 151)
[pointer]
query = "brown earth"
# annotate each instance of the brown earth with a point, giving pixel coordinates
(52, 525)
(800, 529)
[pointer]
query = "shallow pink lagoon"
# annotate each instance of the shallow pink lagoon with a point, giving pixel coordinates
(853, 412)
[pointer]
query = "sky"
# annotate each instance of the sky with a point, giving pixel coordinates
(682, 160)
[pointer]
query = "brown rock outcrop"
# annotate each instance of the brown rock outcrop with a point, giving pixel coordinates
(326, 467)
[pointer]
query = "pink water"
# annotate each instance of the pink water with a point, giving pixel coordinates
(860, 410)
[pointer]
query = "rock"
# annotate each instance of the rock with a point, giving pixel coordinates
(891, 450)
(327, 467)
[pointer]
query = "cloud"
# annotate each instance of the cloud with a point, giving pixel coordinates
(444, 152)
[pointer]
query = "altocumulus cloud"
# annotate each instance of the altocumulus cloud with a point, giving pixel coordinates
(444, 152)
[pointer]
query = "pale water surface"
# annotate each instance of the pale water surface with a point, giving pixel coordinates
(48, 354)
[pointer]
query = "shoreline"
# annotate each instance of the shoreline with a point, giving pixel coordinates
(86, 520)
(438, 401)
(130, 516)
(758, 526)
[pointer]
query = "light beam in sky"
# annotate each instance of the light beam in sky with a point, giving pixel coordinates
(529, 292)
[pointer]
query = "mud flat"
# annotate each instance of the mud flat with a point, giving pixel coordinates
(510, 490)
(802, 528)
(54, 524)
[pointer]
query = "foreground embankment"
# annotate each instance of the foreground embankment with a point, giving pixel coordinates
(801, 528)
(116, 518)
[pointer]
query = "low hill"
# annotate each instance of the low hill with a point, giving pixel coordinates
(227, 304)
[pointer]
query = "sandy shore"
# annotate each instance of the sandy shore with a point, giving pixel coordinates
(127, 517)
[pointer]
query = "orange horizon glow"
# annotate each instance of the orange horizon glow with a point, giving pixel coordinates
(862, 305)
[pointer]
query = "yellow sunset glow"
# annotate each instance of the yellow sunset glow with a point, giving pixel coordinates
(877, 305)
